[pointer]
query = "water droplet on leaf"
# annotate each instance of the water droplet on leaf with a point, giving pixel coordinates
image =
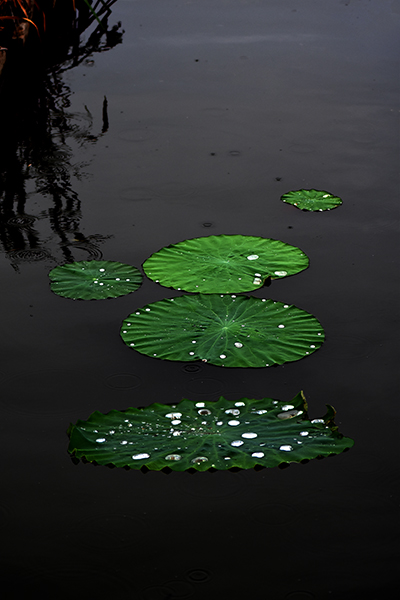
(173, 457)
(199, 459)
(286, 448)
(289, 414)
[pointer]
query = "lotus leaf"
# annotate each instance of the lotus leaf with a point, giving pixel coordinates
(224, 263)
(314, 200)
(225, 330)
(94, 280)
(203, 435)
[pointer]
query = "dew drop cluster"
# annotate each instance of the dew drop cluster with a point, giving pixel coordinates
(203, 435)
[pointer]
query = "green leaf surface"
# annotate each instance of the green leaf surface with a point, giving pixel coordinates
(203, 435)
(224, 330)
(314, 200)
(224, 263)
(94, 280)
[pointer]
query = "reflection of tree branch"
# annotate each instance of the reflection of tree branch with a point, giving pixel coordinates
(105, 116)
(78, 54)
(36, 100)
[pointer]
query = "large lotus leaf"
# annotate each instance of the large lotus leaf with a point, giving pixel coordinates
(203, 435)
(94, 280)
(224, 263)
(228, 331)
(315, 200)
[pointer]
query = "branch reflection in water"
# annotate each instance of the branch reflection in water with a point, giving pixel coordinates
(39, 132)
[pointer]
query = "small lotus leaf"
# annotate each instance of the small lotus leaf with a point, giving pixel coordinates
(204, 435)
(314, 200)
(94, 280)
(225, 330)
(224, 263)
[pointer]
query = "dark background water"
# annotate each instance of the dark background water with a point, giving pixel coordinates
(215, 108)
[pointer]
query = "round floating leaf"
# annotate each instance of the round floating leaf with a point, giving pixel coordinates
(94, 280)
(224, 263)
(228, 331)
(203, 435)
(315, 200)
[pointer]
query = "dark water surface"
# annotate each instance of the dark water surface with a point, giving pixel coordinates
(215, 108)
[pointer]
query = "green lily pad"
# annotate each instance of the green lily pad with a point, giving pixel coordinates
(226, 264)
(94, 280)
(224, 330)
(203, 435)
(315, 200)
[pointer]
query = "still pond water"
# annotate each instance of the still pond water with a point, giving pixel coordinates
(214, 110)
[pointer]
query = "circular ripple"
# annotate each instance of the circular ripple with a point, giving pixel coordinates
(31, 255)
(92, 251)
(123, 381)
(204, 386)
(21, 221)
(199, 575)
(191, 368)
(155, 592)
